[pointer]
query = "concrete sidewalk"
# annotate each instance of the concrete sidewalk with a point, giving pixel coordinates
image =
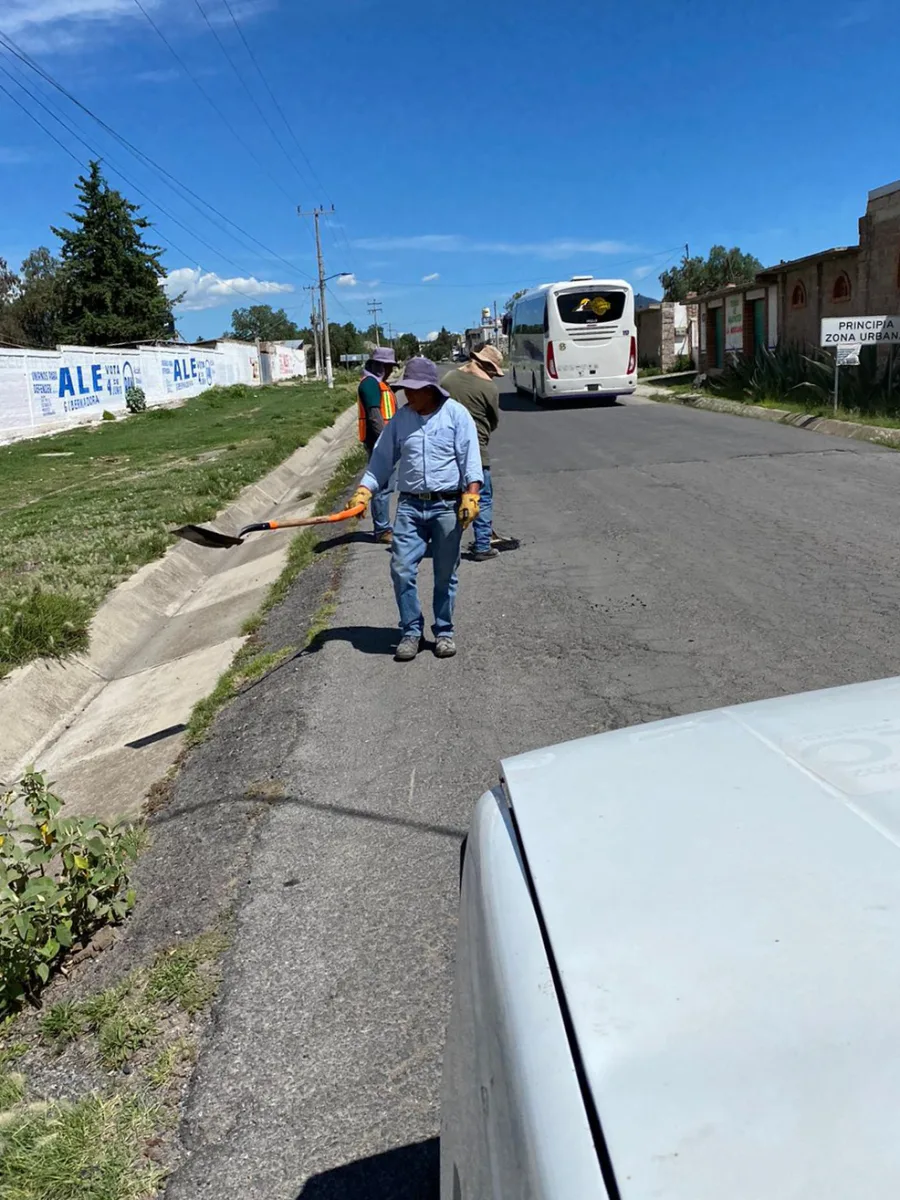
(107, 724)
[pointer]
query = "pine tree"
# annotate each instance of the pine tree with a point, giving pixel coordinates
(110, 280)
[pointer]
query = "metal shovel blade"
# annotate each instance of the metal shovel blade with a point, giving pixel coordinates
(210, 538)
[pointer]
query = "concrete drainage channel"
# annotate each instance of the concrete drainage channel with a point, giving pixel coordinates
(108, 724)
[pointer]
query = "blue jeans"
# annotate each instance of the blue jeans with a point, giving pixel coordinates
(483, 525)
(381, 510)
(418, 524)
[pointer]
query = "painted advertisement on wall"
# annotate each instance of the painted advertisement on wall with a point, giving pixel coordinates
(187, 374)
(734, 323)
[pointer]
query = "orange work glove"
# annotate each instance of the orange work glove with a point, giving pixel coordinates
(469, 508)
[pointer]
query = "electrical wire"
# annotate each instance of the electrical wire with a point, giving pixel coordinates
(96, 155)
(274, 99)
(211, 102)
(191, 196)
(244, 85)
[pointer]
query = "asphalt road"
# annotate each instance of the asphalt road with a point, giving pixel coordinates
(671, 560)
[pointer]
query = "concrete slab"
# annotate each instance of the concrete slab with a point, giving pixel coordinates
(245, 577)
(190, 631)
(140, 706)
(35, 701)
(112, 786)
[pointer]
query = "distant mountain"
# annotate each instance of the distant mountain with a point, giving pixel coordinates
(643, 301)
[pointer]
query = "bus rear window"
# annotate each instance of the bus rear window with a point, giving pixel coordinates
(590, 307)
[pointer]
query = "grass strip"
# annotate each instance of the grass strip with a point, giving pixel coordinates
(251, 662)
(83, 510)
(101, 1146)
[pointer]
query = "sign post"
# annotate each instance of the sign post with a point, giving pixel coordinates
(848, 334)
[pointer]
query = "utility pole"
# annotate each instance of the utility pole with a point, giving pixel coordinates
(314, 323)
(323, 310)
(390, 333)
(375, 307)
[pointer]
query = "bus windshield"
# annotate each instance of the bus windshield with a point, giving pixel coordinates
(591, 306)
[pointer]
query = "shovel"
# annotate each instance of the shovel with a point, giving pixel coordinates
(213, 540)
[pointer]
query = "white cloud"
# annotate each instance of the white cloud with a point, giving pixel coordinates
(431, 278)
(65, 25)
(454, 243)
(350, 281)
(642, 272)
(205, 289)
(433, 336)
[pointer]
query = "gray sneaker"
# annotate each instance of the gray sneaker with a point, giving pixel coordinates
(484, 555)
(445, 647)
(407, 650)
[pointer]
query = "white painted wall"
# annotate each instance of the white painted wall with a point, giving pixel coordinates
(42, 391)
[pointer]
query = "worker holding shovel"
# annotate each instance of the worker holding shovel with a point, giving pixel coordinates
(433, 444)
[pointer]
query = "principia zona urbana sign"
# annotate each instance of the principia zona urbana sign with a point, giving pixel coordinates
(860, 331)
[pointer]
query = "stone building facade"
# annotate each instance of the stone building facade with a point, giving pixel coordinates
(786, 302)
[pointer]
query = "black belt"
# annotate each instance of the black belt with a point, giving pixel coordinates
(430, 495)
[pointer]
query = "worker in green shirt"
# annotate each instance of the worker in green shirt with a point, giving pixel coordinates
(473, 385)
(377, 404)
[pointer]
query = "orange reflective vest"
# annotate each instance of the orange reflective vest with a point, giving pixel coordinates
(388, 408)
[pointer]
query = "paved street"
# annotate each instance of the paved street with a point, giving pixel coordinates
(671, 560)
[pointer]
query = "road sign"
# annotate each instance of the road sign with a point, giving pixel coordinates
(847, 356)
(860, 331)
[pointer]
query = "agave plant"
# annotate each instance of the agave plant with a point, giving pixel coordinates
(790, 372)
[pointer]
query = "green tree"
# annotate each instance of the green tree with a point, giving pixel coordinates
(441, 347)
(345, 339)
(110, 279)
(40, 297)
(508, 306)
(699, 274)
(406, 346)
(10, 329)
(263, 322)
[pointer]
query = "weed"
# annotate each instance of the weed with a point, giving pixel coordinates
(12, 1089)
(168, 1063)
(122, 1034)
(61, 1023)
(90, 1150)
(188, 975)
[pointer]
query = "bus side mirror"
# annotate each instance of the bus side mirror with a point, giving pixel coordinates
(506, 324)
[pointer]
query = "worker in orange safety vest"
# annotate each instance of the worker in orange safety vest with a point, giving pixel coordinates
(377, 404)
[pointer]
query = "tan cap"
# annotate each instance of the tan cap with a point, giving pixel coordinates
(490, 358)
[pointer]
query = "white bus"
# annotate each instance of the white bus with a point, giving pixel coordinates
(574, 338)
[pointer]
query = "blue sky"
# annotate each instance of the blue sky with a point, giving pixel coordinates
(469, 149)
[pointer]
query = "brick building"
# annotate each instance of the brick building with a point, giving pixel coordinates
(787, 302)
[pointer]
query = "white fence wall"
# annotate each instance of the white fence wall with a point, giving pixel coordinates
(46, 390)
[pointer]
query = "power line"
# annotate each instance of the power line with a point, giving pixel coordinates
(195, 201)
(95, 154)
(37, 121)
(244, 85)
(210, 101)
(273, 97)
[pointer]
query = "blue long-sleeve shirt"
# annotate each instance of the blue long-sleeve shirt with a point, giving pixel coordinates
(437, 453)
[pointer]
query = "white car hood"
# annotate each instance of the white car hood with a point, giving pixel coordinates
(722, 898)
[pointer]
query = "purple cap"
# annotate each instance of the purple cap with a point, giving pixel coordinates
(418, 374)
(384, 355)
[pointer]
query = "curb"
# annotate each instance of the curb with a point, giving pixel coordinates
(40, 700)
(878, 434)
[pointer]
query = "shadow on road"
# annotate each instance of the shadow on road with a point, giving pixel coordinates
(344, 539)
(369, 639)
(407, 1173)
(510, 402)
